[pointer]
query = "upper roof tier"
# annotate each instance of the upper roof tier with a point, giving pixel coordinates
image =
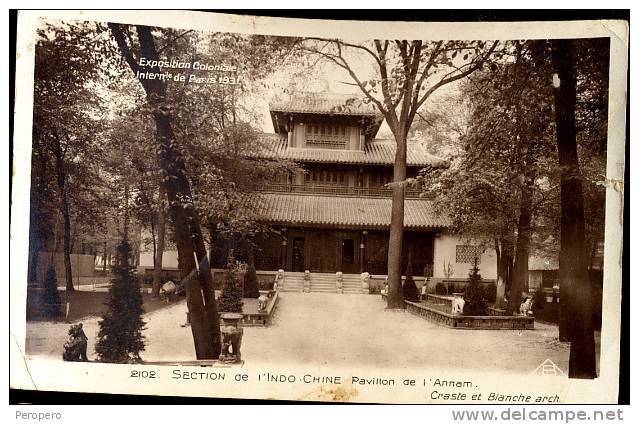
(324, 103)
(377, 152)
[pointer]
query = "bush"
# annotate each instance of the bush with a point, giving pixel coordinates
(251, 288)
(374, 287)
(231, 298)
(440, 288)
(457, 288)
(266, 284)
(539, 299)
(120, 337)
(490, 292)
(474, 295)
(51, 297)
(409, 288)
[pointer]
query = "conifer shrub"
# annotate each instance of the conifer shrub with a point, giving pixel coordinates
(539, 299)
(251, 284)
(231, 298)
(51, 303)
(120, 338)
(410, 290)
(475, 304)
(490, 292)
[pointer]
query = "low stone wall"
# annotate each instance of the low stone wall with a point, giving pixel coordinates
(486, 322)
(496, 312)
(447, 301)
(253, 318)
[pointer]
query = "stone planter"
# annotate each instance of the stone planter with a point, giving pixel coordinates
(262, 300)
(231, 338)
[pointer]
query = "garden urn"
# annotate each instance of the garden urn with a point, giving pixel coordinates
(231, 338)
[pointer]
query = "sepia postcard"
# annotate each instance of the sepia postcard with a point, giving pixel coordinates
(233, 206)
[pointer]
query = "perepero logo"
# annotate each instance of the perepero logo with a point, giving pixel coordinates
(548, 367)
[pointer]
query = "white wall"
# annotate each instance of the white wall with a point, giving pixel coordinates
(445, 247)
(169, 259)
(81, 265)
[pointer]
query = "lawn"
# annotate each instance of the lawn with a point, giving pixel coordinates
(83, 304)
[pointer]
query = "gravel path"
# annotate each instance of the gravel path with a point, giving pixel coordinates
(340, 331)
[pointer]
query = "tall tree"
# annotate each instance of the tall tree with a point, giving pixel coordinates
(65, 129)
(407, 73)
(188, 234)
(120, 338)
(499, 179)
(576, 297)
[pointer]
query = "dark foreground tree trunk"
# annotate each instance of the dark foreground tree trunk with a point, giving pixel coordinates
(395, 293)
(576, 302)
(519, 282)
(200, 296)
(503, 251)
(64, 203)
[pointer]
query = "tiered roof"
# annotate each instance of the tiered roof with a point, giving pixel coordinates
(325, 103)
(377, 152)
(345, 212)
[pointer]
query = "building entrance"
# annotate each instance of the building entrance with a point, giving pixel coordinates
(298, 254)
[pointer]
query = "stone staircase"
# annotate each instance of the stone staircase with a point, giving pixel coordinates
(321, 283)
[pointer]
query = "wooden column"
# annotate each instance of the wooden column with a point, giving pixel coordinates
(362, 252)
(283, 253)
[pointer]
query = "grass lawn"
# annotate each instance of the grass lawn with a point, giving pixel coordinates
(84, 304)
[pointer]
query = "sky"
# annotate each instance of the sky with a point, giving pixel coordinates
(320, 77)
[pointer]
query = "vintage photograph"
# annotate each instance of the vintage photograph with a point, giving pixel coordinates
(323, 216)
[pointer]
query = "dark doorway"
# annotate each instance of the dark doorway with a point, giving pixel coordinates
(348, 256)
(298, 254)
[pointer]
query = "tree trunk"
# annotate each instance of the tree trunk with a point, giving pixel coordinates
(104, 265)
(576, 306)
(188, 238)
(125, 230)
(64, 203)
(519, 282)
(159, 250)
(395, 295)
(200, 297)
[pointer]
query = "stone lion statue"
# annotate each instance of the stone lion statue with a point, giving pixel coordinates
(525, 308)
(168, 290)
(75, 349)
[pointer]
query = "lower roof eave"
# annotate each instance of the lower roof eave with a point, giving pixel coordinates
(368, 227)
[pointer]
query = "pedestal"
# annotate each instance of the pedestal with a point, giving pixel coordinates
(231, 338)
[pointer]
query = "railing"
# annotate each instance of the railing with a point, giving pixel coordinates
(338, 190)
(326, 143)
